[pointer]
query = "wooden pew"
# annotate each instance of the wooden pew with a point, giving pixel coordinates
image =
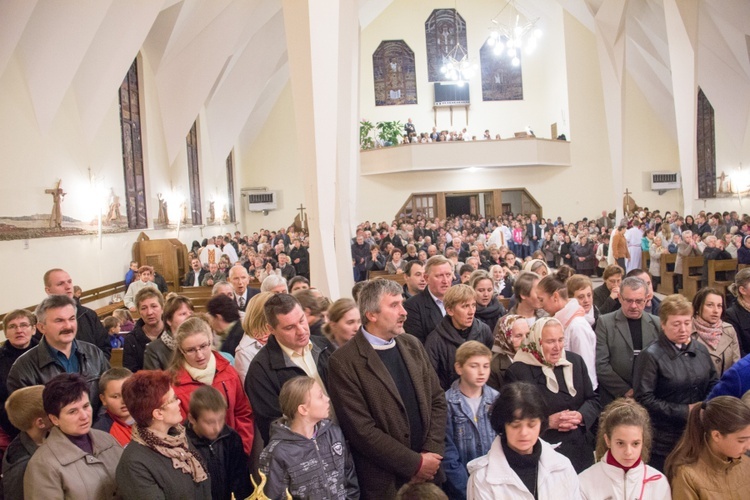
(726, 266)
(692, 271)
(645, 260)
(667, 277)
(740, 267)
(199, 295)
(116, 359)
(505, 302)
(398, 278)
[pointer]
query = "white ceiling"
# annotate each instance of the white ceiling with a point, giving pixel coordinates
(229, 57)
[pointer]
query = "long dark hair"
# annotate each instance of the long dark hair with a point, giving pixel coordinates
(725, 414)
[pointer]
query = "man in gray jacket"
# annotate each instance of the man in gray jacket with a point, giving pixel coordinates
(59, 351)
(620, 337)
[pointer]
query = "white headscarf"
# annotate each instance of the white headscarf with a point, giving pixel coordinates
(531, 353)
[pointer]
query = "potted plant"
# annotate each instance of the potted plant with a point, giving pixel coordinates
(365, 139)
(390, 132)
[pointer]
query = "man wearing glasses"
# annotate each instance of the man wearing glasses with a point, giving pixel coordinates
(620, 336)
(19, 327)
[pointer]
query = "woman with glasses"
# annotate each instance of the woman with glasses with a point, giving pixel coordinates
(195, 363)
(159, 462)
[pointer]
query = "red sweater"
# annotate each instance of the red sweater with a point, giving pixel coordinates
(227, 382)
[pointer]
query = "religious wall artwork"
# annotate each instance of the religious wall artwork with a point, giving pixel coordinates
(394, 74)
(501, 80)
(444, 30)
(55, 219)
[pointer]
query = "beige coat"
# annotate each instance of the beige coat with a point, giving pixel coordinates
(60, 469)
(712, 478)
(727, 352)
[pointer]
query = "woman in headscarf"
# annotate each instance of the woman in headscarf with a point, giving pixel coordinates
(743, 253)
(509, 333)
(566, 388)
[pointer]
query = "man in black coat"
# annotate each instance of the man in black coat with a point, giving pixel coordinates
(195, 276)
(19, 328)
(534, 233)
(290, 352)
(90, 328)
(360, 253)
(425, 310)
(225, 321)
(300, 258)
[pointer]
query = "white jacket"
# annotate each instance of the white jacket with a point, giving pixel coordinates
(579, 336)
(491, 477)
(603, 481)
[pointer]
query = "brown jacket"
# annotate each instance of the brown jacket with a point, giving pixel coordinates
(60, 469)
(711, 478)
(373, 416)
(727, 352)
(620, 246)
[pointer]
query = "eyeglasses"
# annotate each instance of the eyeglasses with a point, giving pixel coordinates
(195, 350)
(174, 399)
(19, 326)
(631, 302)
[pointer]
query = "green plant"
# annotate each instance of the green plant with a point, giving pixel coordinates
(365, 139)
(389, 132)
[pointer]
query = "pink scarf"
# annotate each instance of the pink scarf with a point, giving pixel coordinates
(709, 333)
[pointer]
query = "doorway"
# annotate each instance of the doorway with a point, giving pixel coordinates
(457, 205)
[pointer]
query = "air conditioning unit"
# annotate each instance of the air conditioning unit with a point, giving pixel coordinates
(261, 201)
(664, 181)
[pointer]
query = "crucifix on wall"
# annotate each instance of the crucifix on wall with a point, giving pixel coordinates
(55, 219)
(628, 204)
(300, 221)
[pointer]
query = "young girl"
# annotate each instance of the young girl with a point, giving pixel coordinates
(622, 449)
(307, 453)
(709, 460)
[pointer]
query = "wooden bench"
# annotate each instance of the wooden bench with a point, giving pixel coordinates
(398, 278)
(505, 302)
(667, 277)
(645, 260)
(692, 274)
(740, 267)
(725, 266)
(116, 358)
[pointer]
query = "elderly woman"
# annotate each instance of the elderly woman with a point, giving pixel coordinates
(458, 326)
(579, 336)
(256, 329)
(177, 309)
(584, 257)
(572, 404)
(509, 333)
(489, 309)
(655, 252)
(537, 266)
(581, 288)
(738, 314)
(343, 322)
(671, 375)
(520, 464)
(396, 264)
(159, 462)
(606, 295)
(743, 252)
(718, 336)
(274, 283)
(75, 460)
(195, 364)
(502, 285)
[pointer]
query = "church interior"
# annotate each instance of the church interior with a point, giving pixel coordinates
(225, 98)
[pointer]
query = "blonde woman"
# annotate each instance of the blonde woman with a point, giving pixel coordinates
(256, 334)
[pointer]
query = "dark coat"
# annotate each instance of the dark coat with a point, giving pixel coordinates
(444, 340)
(135, 348)
(422, 315)
(269, 370)
(190, 277)
(157, 355)
(233, 338)
(490, 314)
(587, 252)
(577, 444)
(666, 381)
(288, 271)
(227, 463)
(91, 329)
(603, 301)
(303, 266)
(15, 460)
(8, 356)
(37, 367)
(360, 254)
(148, 474)
(739, 318)
(373, 416)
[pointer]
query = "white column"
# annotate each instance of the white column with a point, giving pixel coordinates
(323, 43)
(610, 45)
(682, 36)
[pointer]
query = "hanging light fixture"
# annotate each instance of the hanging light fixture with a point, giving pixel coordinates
(458, 67)
(511, 31)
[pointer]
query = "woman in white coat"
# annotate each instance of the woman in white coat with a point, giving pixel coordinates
(519, 464)
(622, 450)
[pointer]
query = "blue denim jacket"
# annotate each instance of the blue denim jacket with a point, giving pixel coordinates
(465, 439)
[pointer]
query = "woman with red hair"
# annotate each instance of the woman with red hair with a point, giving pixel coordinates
(159, 462)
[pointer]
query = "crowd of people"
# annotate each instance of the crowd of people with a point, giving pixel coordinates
(411, 136)
(497, 370)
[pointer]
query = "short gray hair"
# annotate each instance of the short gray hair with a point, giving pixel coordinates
(219, 285)
(372, 293)
(634, 283)
(53, 302)
(271, 282)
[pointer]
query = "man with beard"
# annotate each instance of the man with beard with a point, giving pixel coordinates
(59, 351)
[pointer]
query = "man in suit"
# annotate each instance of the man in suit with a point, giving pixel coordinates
(534, 232)
(604, 222)
(290, 352)
(195, 276)
(425, 310)
(387, 398)
(620, 337)
(239, 279)
(90, 328)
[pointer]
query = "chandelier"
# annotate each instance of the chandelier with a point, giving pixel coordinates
(458, 67)
(512, 31)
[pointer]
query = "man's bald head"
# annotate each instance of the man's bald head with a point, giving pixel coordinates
(239, 278)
